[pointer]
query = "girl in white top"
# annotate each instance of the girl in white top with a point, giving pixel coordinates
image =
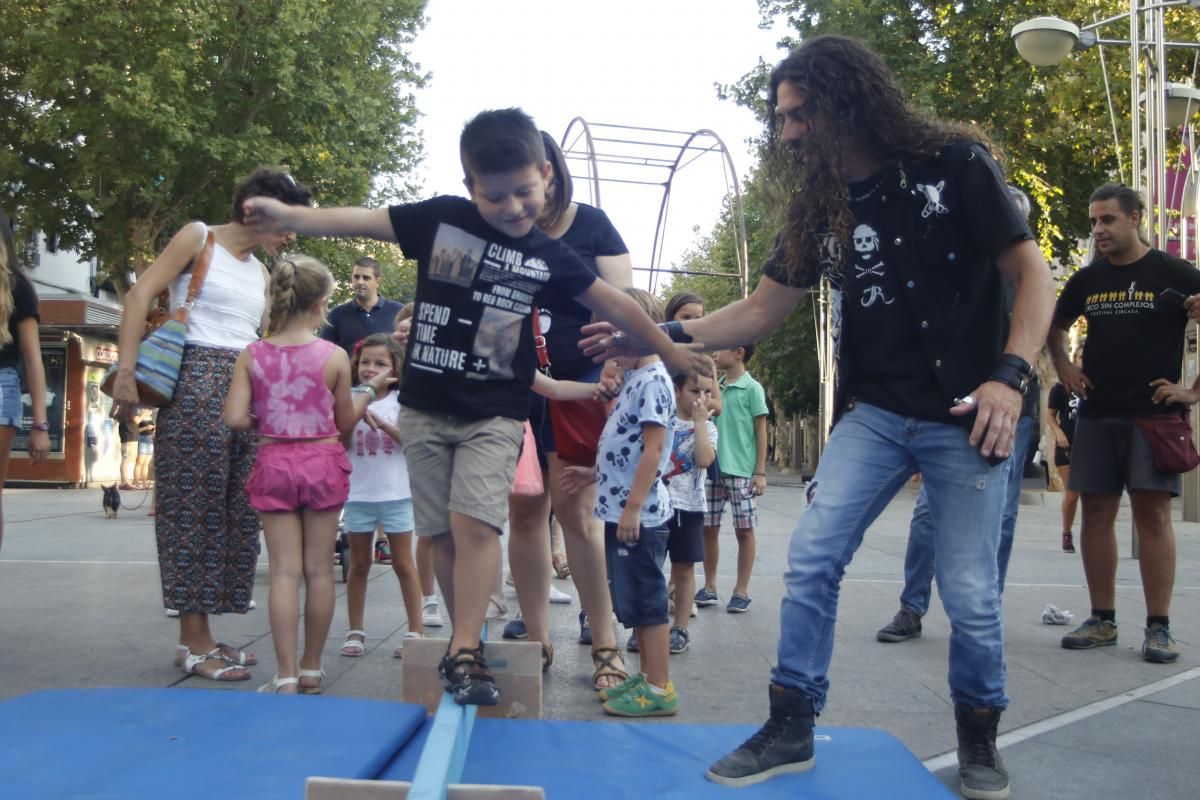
(379, 495)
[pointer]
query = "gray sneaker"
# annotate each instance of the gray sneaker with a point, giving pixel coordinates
(980, 771)
(1094, 632)
(784, 744)
(679, 640)
(905, 625)
(1159, 647)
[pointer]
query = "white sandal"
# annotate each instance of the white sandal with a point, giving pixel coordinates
(399, 651)
(278, 683)
(355, 647)
(242, 659)
(310, 673)
(193, 660)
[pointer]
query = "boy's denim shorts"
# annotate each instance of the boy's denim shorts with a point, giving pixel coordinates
(635, 576)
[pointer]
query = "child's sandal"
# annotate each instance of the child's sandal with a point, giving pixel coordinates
(547, 656)
(311, 673)
(605, 660)
(278, 683)
(354, 647)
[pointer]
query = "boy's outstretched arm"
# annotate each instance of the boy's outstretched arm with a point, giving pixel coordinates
(618, 308)
(268, 214)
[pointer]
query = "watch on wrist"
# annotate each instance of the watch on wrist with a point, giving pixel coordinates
(676, 333)
(40, 426)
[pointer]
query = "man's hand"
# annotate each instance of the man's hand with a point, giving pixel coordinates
(1072, 377)
(629, 528)
(1169, 393)
(574, 478)
(998, 409)
(602, 341)
(758, 485)
(1192, 306)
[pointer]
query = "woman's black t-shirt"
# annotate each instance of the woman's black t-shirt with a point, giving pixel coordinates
(1065, 406)
(591, 234)
(25, 305)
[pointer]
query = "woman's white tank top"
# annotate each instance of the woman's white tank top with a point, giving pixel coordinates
(229, 309)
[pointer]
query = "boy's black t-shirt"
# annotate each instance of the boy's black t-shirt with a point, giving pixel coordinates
(471, 350)
(25, 305)
(1133, 338)
(591, 234)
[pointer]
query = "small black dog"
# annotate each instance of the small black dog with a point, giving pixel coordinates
(112, 501)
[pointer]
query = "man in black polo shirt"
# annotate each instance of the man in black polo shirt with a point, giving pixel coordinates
(911, 222)
(367, 313)
(1131, 370)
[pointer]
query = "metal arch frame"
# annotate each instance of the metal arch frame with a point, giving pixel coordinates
(638, 149)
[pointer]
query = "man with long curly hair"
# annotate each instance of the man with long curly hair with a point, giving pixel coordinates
(910, 221)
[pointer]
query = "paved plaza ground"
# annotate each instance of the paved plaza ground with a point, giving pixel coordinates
(80, 606)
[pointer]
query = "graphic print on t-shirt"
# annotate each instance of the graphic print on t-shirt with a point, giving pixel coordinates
(1130, 300)
(501, 279)
(456, 256)
(868, 265)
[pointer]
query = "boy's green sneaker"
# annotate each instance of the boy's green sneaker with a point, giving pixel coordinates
(621, 688)
(642, 701)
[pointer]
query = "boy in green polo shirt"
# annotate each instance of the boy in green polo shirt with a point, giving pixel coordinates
(742, 453)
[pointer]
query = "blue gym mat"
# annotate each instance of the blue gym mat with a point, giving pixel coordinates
(151, 743)
(581, 760)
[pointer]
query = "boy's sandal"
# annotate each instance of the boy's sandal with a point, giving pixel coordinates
(466, 663)
(193, 660)
(547, 656)
(311, 673)
(278, 683)
(605, 659)
(355, 647)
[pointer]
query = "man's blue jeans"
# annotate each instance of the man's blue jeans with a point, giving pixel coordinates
(918, 560)
(869, 456)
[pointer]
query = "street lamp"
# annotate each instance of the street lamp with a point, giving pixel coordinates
(1155, 104)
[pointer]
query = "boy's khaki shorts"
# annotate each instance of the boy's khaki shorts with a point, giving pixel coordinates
(459, 464)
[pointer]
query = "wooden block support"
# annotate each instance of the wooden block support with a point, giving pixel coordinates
(516, 665)
(348, 789)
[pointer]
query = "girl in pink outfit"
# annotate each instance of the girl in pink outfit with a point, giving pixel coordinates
(295, 388)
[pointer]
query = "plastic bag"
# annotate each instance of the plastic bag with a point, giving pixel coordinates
(528, 478)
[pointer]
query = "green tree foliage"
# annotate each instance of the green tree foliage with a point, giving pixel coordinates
(956, 60)
(120, 121)
(785, 362)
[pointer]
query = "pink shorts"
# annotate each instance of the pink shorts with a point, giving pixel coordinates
(288, 476)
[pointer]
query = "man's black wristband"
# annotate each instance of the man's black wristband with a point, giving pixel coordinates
(676, 332)
(1013, 371)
